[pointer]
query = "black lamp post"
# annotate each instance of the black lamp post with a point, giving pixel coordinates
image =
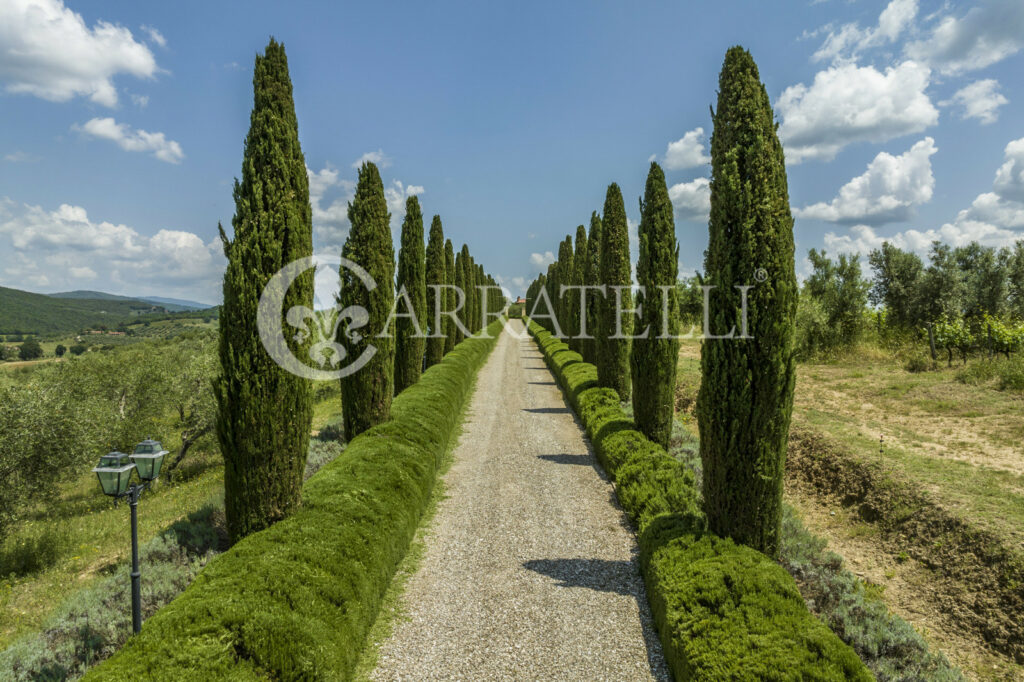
(115, 473)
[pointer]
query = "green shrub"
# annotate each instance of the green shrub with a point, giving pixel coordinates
(723, 611)
(1011, 375)
(335, 556)
(32, 549)
(918, 363)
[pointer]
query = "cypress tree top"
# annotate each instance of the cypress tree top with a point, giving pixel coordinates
(409, 342)
(613, 353)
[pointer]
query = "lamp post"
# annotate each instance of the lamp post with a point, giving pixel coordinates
(115, 474)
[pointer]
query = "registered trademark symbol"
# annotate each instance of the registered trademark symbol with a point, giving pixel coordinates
(760, 274)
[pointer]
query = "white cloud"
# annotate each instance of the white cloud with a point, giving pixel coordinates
(986, 34)
(155, 35)
(378, 157)
(687, 151)
(848, 103)
(980, 100)
(542, 260)
(993, 218)
(133, 140)
(396, 195)
(850, 40)
(691, 200)
(47, 50)
(330, 222)
(141, 101)
(19, 157)
(63, 247)
(886, 192)
(1009, 182)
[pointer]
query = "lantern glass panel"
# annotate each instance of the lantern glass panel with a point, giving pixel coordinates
(113, 479)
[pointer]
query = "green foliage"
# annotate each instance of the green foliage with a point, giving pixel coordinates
(461, 284)
(60, 350)
(30, 350)
(953, 335)
(690, 294)
(450, 329)
(435, 276)
(941, 290)
(895, 283)
(613, 353)
(366, 394)
(746, 396)
(592, 277)
(654, 358)
(335, 556)
(409, 341)
(723, 611)
(25, 312)
(78, 349)
(839, 291)
(264, 412)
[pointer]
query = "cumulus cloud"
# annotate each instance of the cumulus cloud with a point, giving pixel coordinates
(986, 34)
(63, 247)
(691, 200)
(542, 260)
(48, 51)
(980, 100)
(848, 103)
(396, 195)
(993, 218)
(849, 40)
(141, 101)
(886, 192)
(329, 195)
(133, 140)
(378, 157)
(687, 151)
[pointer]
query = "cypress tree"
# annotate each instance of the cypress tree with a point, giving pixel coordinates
(366, 394)
(579, 263)
(484, 294)
(462, 282)
(409, 341)
(592, 277)
(746, 395)
(654, 358)
(451, 275)
(613, 353)
(472, 293)
(264, 412)
(435, 275)
(566, 268)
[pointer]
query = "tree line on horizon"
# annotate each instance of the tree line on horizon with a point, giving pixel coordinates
(264, 413)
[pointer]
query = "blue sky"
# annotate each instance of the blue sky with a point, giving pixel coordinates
(123, 123)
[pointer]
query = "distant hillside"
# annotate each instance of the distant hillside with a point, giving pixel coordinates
(176, 303)
(28, 313)
(172, 305)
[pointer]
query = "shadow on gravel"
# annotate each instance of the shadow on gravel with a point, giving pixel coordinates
(607, 576)
(547, 410)
(542, 383)
(565, 458)
(594, 574)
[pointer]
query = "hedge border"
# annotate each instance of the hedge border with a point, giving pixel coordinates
(723, 611)
(296, 601)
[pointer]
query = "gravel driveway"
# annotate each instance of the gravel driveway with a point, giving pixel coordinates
(530, 569)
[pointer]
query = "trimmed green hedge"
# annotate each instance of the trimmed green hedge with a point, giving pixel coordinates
(296, 600)
(723, 611)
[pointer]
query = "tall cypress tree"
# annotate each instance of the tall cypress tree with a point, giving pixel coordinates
(366, 394)
(435, 275)
(654, 358)
(592, 277)
(746, 395)
(566, 269)
(264, 412)
(579, 264)
(462, 283)
(451, 275)
(613, 353)
(472, 293)
(409, 341)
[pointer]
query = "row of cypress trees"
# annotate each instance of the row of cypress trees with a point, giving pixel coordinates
(746, 393)
(264, 413)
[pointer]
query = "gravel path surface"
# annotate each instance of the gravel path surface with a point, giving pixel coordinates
(530, 569)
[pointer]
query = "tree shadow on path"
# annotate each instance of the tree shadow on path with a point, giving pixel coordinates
(565, 458)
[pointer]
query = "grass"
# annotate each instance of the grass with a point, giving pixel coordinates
(961, 441)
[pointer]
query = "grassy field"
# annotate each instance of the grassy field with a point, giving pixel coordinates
(80, 536)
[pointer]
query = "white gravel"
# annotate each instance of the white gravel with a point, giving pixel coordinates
(530, 569)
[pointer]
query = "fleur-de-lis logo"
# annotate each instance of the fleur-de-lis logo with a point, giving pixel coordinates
(326, 353)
